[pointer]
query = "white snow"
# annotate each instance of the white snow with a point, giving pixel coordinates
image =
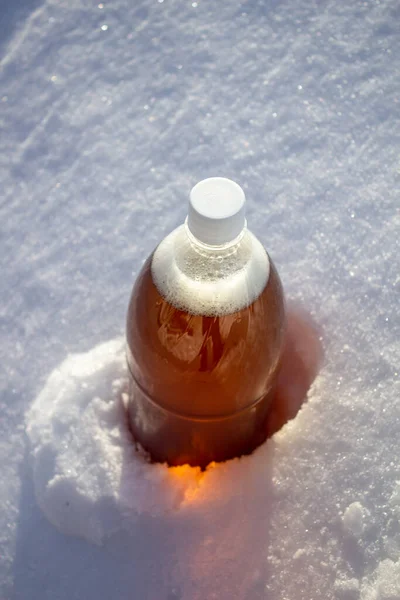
(347, 589)
(109, 114)
(353, 519)
(385, 582)
(88, 476)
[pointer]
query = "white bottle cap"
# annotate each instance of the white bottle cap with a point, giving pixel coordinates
(216, 211)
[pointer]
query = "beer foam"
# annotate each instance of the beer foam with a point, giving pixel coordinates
(209, 281)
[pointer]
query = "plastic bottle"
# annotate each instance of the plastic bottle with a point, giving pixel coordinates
(205, 329)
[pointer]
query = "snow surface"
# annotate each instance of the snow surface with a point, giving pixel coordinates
(109, 113)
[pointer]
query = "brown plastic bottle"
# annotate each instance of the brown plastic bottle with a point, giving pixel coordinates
(205, 329)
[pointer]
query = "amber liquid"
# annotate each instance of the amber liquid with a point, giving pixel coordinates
(201, 386)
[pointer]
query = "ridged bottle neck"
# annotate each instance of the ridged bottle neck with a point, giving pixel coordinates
(214, 251)
(210, 280)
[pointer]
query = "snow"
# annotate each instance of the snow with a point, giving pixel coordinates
(353, 519)
(88, 476)
(385, 582)
(109, 113)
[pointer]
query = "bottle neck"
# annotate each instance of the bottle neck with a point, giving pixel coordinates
(209, 250)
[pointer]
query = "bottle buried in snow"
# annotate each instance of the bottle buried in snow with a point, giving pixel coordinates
(205, 330)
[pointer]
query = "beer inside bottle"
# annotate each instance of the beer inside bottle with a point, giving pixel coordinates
(205, 329)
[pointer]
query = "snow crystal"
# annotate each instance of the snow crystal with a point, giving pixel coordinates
(347, 589)
(353, 519)
(394, 500)
(384, 583)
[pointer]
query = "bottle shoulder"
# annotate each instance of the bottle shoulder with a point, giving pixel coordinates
(210, 280)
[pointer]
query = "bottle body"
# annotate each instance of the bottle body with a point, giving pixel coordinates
(204, 344)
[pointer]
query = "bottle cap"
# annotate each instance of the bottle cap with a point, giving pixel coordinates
(216, 211)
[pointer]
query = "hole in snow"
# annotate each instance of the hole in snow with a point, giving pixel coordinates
(90, 481)
(301, 361)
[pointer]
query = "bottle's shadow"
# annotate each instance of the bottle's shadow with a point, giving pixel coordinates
(301, 361)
